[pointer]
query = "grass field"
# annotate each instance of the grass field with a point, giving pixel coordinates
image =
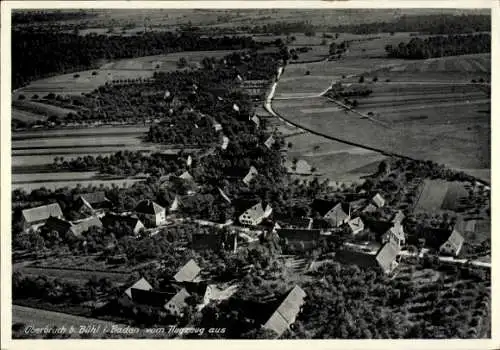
(44, 318)
(458, 143)
(39, 109)
(439, 195)
(334, 160)
(34, 151)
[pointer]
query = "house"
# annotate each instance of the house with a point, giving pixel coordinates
(148, 300)
(255, 120)
(384, 260)
(287, 311)
(356, 225)
(150, 213)
(395, 234)
(215, 293)
(114, 221)
(252, 173)
(54, 224)
(189, 160)
(398, 217)
(217, 126)
(302, 222)
(255, 214)
(188, 273)
(370, 208)
(91, 201)
(175, 306)
(39, 215)
(84, 225)
(337, 215)
(225, 142)
(174, 206)
(269, 142)
(142, 284)
(453, 244)
(300, 239)
(186, 176)
(378, 200)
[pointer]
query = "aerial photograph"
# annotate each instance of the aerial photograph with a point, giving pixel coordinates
(250, 173)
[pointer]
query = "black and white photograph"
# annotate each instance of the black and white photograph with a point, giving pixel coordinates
(250, 173)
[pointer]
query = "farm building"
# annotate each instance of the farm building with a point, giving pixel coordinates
(296, 239)
(395, 234)
(54, 224)
(177, 303)
(252, 173)
(378, 200)
(39, 215)
(84, 225)
(336, 213)
(127, 298)
(287, 311)
(255, 213)
(215, 293)
(453, 244)
(303, 222)
(150, 213)
(116, 222)
(356, 225)
(174, 206)
(384, 260)
(89, 202)
(188, 273)
(269, 142)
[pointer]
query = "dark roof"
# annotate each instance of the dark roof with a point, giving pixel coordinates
(242, 204)
(299, 234)
(353, 257)
(378, 226)
(295, 222)
(148, 207)
(322, 206)
(109, 220)
(94, 197)
(42, 213)
(149, 297)
(56, 224)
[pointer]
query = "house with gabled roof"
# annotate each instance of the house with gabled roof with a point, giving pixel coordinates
(269, 142)
(126, 299)
(378, 200)
(188, 273)
(89, 202)
(84, 225)
(287, 311)
(252, 173)
(111, 221)
(175, 306)
(151, 213)
(356, 225)
(453, 244)
(398, 217)
(225, 142)
(39, 215)
(175, 205)
(338, 215)
(395, 234)
(384, 260)
(217, 293)
(255, 120)
(186, 176)
(370, 208)
(54, 224)
(255, 213)
(300, 240)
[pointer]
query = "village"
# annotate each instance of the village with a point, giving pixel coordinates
(211, 207)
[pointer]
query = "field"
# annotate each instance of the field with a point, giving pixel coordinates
(33, 152)
(142, 67)
(39, 109)
(334, 160)
(44, 318)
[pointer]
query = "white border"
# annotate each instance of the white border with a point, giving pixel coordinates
(5, 176)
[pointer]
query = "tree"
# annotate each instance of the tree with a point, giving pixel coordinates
(21, 97)
(182, 63)
(361, 79)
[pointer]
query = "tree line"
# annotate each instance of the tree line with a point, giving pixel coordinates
(38, 54)
(441, 46)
